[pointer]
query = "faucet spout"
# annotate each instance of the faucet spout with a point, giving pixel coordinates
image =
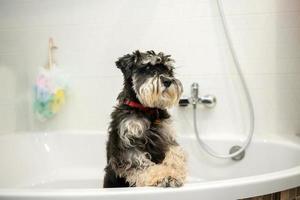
(209, 101)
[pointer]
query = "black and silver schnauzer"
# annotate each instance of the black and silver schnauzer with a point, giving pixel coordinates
(141, 149)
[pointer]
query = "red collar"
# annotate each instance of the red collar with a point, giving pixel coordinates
(133, 104)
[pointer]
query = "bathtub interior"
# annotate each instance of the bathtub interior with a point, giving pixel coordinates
(76, 160)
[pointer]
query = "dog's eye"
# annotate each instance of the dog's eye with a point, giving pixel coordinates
(147, 68)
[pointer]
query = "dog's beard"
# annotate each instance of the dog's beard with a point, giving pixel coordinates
(152, 93)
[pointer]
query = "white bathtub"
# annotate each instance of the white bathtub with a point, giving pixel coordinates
(60, 165)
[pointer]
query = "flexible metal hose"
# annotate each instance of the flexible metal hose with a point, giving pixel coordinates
(208, 149)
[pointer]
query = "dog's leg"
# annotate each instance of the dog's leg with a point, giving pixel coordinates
(131, 165)
(128, 161)
(170, 173)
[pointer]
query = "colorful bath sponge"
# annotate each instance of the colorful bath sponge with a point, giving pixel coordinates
(50, 88)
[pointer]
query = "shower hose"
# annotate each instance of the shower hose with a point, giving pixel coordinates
(207, 148)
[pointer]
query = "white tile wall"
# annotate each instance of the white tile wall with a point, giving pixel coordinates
(91, 35)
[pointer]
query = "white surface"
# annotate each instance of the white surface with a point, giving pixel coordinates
(92, 35)
(70, 165)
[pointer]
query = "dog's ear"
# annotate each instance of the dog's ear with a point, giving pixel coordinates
(127, 62)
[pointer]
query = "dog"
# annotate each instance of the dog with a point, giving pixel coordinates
(141, 147)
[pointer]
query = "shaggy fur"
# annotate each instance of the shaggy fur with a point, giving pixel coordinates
(141, 148)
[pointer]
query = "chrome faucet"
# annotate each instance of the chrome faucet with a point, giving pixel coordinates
(194, 93)
(208, 101)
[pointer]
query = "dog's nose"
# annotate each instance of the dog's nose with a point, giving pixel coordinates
(166, 81)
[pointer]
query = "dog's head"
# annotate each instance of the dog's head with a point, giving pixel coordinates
(152, 78)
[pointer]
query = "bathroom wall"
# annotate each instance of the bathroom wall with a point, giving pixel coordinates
(91, 35)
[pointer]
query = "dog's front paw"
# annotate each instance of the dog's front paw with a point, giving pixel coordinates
(169, 182)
